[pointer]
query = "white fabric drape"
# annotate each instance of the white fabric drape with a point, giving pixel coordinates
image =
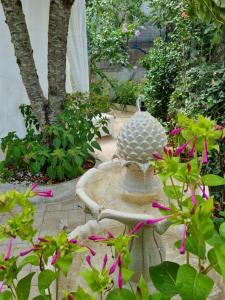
(12, 91)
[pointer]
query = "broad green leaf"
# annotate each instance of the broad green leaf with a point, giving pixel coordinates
(172, 192)
(120, 294)
(45, 279)
(142, 290)
(193, 285)
(96, 145)
(65, 263)
(213, 260)
(220, 254)
(32, 259)
(127, 274)
(6, 295)
(23, 287)
(41, 297)
(164, 277)
(81, 294)
(213, 180)
(194, 246)
(222, 230)
(158, 296)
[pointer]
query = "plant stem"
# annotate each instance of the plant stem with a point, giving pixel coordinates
(131, 288)
(188, 257)
(209, 268)
(57, 287)
(13, 290)
(178, 199)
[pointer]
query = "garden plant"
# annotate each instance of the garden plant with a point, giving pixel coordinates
(201, 244)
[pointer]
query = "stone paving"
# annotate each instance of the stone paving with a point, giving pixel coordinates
(52, 217)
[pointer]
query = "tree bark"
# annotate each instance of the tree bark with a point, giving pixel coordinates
(59, 16)
(23, 51)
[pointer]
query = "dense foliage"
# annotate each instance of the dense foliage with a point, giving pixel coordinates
(192, 211)
(56, 152)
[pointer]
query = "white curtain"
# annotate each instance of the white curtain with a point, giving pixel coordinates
(12, 91)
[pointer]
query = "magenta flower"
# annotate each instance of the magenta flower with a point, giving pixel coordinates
(47, 193)
(192, 151)
(110, 235)
(157, 156)
(113, 267)
(55, 257)
(176, 131)
(70, 297)
(25, 252)
(7, 256)
(205, 153)
(136, 228)
(72, 241)
(153, 221)
(168, 151)
(204, 195)
(96, 238)
(93, 252)
(182, 148)
(88, 260)
(193, 198)
(104, 262)
(183, 240)
(120, 279)
(137, 33)
(156, 204)
(43, 240)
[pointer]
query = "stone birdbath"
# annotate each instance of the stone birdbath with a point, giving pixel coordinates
(123, 189)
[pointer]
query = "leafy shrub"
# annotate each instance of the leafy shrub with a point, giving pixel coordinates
(57, 151)
(199, 240)
(126, 92)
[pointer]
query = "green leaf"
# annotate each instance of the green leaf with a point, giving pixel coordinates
(127, 274)
(96, 145)
(23, 287)
(213, 260)
(65, 263)
(222, 230)
(158, 296)
(120, 294)
(82, 295)
(41, 297)
(220, 255)
(213, 180)
(6, 295)
(142, 289)
(172, 192)
(32, 259)
(164, 277)
(193, 285)
(45, 279)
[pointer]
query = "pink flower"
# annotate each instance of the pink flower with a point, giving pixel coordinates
(120, 279)
(72, 241)
(193, 198)
(104, 262)
(205, 153)
(47, 193)
(96, 238)
(88, 260)
(55, 257)
(110, 235)
(157, 156)
(93, 252)
(43, 240)
(183, 240)
(168, 151)
(136, 228)
(25, 252)
(119, 261)
(182, 148)
(156, 204)
(176, 131)
(204, 195)
(192, 151)
(153, 221)
(7, 256)
(137, 33)
(113, 267)
(70, 297)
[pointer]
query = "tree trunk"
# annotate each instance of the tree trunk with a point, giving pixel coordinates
(59, 16)
(23, 51)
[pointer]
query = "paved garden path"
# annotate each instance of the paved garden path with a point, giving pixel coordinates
(51, 217)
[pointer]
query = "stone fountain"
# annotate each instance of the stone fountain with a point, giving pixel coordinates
(123, 189)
